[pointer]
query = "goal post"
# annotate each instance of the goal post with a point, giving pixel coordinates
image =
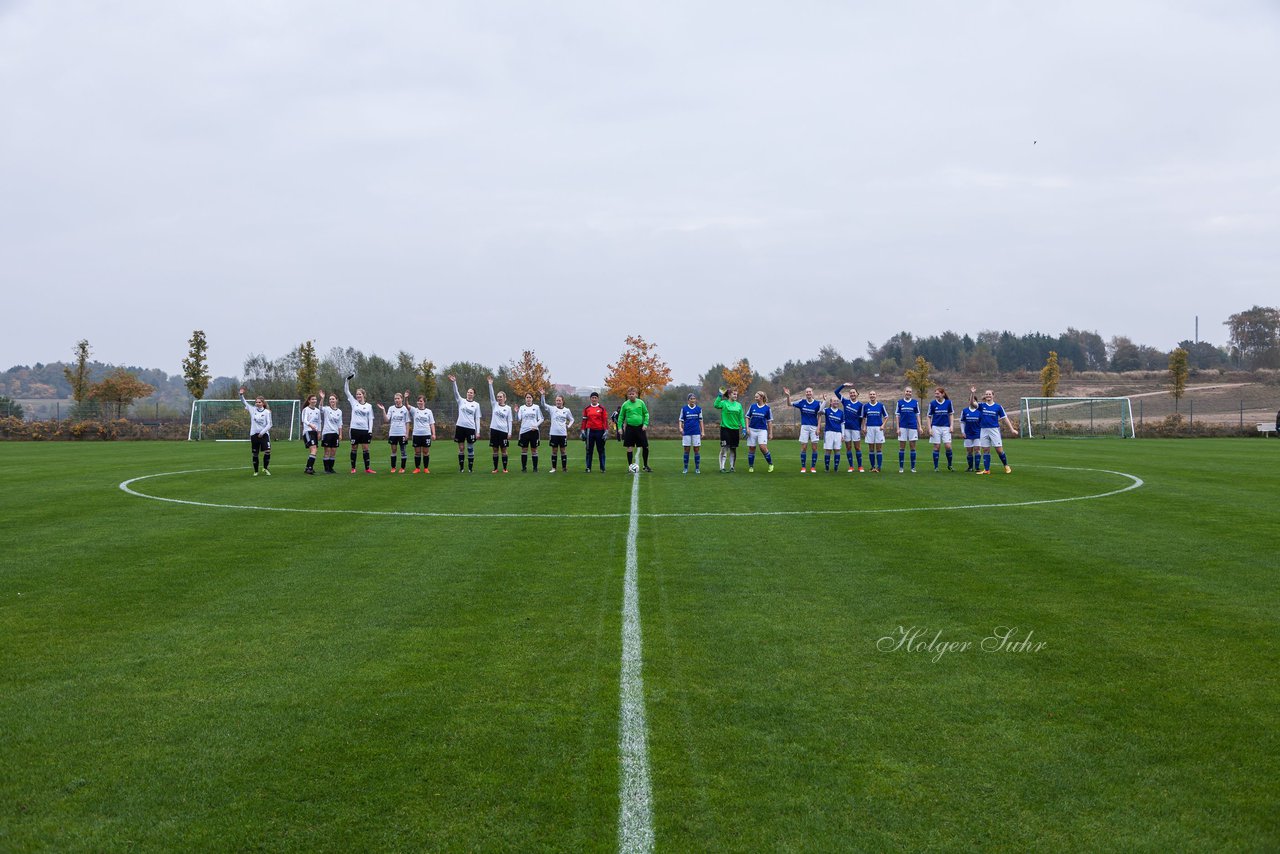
(1078, 417)
(228, 420)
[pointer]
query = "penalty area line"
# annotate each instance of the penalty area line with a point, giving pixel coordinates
(635, 796)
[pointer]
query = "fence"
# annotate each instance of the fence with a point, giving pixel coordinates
(1155, 415)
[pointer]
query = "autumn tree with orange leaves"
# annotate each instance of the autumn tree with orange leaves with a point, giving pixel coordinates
(738, 376)
(639, 366)
(527, 375)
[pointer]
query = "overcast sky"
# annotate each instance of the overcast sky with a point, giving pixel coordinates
(467, 180)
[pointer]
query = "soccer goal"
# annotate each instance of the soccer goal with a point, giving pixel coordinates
(1077, 417)
(228, 420)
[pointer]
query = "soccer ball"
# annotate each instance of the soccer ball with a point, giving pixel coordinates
(633, 468)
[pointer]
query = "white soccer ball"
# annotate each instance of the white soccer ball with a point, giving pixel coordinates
(633, 468)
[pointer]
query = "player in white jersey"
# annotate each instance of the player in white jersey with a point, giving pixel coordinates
(397, 418)
(468, 425)
(259, 431)
(499, 427)
(311, 421)
(530, 419)
(361, 424)
(424, 432)
(330, 432)
(561, 420)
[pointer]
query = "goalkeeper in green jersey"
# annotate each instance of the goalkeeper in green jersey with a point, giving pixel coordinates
(730, 428)
(633, 424)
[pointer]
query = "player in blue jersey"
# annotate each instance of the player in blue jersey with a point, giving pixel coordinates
(809, 408)
(692, 432)
(970, 419)
(991, 414)
(833, 431)
(759, 430)
(852, 424)
(908, 414)
(874, 414)
(940, 417)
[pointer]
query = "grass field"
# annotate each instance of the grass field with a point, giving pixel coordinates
(179, 677)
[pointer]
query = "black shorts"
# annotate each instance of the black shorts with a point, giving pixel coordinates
(529, 439)
(498, 439)
(729, 437)
(635, 437)
(329, 440)
(464, 434)
(310, 439)
(398, 441)
(558, 441)
(260, 442)
(422, 441)
(360, 437)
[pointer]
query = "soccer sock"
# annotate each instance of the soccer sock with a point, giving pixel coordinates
(266, 460)
(859, 459)
(564, 461)
(311, 463)
(393, 460)
(495, 462)
(826, 461)
(644, 455)
(733, 457)
(697, 460)
(255, 460)
(723, 454)
(686, 457)
(461, 461)
(366, 458)
(768, 458)
(535, 462)
(935, 459)
(1004, 461)
(849, 454)
(804, 459)
(524, 462)
(751, 457)
(353, 456)
(426, 461)
(403, 458)
(631, 455)
(913, 459)
(968, 456)
(986, 461)
(948, 458)
(902, 457)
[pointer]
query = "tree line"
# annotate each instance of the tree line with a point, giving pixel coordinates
(98, 389)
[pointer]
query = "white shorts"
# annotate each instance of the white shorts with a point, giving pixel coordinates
(875, 436)
(908, 434)
(991, 437)
(691, 441)
(757, 437)
(831, 440)
(972, 443)
(853, 435)
(940, 435)
(808, 433)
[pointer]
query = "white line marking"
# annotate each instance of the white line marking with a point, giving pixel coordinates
(1134, 483)
(635, 798)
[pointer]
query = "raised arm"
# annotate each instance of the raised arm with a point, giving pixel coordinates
(454, 380)
(493, 398)
(247, 405)
(346, 388)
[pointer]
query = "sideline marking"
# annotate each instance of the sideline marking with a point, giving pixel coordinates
(635, 799)
(1134, 483)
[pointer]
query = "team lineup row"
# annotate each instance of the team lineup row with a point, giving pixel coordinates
(846, 424)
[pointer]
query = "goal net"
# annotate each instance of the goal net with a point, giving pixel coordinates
(228, 420)
(1077, 417)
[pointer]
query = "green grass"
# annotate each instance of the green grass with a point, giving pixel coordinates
(175, 676)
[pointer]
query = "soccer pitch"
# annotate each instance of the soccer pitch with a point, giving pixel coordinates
(829, 661)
